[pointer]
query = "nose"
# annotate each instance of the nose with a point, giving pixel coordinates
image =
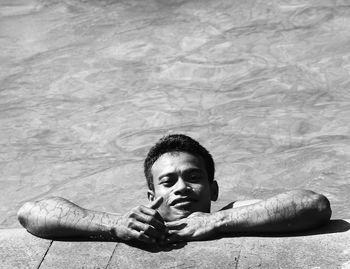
(181, 186)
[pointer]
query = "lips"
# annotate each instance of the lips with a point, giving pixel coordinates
(182, 201)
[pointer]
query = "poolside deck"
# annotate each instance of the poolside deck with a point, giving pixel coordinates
(327, 247)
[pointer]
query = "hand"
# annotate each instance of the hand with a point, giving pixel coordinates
(197, 226)
(141, 224)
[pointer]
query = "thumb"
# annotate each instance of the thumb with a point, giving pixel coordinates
(156, 203)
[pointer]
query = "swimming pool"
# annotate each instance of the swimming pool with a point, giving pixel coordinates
(88, 86)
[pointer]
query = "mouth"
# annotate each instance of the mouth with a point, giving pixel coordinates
(182, 202)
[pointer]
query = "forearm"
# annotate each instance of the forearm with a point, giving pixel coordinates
(58, 218)
(287, 212)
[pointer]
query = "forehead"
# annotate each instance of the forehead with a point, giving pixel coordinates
(173, 161)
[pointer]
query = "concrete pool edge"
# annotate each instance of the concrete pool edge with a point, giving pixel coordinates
(327, 247)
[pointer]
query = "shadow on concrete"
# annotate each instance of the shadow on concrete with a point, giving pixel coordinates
(146, 247)
(157, 248)
(334, 226)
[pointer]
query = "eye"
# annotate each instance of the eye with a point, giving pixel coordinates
(167, 181)
(194, 177)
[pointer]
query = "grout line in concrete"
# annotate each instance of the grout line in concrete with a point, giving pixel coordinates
(45, 254)
(110, 258)
(239, 254)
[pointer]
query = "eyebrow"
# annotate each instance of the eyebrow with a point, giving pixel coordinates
(190, 170)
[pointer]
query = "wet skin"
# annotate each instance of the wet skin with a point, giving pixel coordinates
(179, 210)
(182, 180)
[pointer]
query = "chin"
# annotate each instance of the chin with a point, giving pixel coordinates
(177, 215)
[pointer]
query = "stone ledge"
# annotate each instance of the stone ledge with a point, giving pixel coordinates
(327, 247)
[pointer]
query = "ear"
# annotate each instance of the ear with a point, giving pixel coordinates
(150, 195)
(214, 191)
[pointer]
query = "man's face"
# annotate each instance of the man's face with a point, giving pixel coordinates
(181, 179)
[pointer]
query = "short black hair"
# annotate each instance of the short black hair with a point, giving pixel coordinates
(177, 143)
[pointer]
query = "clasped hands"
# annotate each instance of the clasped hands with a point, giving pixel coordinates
(144, 224)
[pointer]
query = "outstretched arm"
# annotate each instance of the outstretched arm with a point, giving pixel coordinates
(56, 217)
(288, 212)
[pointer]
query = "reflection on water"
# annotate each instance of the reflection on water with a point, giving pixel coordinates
(86, 87)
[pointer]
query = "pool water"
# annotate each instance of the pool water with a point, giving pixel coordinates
(87, 87)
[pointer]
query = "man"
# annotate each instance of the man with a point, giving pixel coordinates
(180, 177)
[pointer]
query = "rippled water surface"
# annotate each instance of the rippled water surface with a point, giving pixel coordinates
(86, 87)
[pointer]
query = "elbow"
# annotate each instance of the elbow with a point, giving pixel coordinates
(33, 215)
(319, 210)
(23, 214)
(323, 208)
(43, 218)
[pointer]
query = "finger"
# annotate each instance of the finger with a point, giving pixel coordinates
(156, 203)
(151, 220)
(146, 229)
(151, 232)
(134, 235)
(175, 226)
(145, 238)
(174, 238)
(151, 212)
(173, 223)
